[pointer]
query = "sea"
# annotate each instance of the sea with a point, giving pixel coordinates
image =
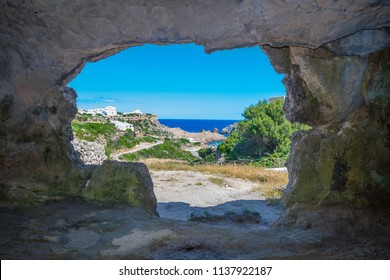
(192, 125)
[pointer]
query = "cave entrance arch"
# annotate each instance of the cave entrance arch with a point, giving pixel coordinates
(179, 194)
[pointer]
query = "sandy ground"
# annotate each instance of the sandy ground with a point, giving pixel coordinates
(182, 194)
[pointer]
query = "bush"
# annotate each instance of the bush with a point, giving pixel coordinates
(264, 132)
(184, 141)
(90, 131)
(149, 139)
(207, 154)
(167, 150)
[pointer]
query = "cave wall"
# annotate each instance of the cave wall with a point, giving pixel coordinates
(342, 90)
(335, 55)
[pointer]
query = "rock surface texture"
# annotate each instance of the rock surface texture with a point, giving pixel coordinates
(335, 55)
(90, 152)
(122, 183)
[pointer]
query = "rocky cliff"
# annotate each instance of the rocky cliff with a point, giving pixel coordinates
(334, 54)
(229, 129)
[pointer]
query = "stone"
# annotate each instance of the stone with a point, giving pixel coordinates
(122, 183)
(82, 238)
(90, 152)
(341, 175)
(315, 82)
(229, 129)
(331, 89)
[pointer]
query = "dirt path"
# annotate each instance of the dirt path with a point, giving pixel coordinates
(137, 148)
(183, 195)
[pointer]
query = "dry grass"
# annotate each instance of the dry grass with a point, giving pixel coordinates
(217, 181)
(270, 182)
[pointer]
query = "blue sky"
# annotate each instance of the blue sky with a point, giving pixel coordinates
(179, 81)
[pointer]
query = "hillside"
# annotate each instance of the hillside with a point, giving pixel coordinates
(99, 137)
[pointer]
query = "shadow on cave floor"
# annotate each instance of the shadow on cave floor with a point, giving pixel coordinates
(250, 214)
(80, 230)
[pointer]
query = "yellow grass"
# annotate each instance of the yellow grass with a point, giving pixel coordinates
(217, 181)
(270, 182)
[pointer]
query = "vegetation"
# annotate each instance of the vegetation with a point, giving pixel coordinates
(91, 128)
(184, 141)
(166, 150)
(244, 171)
(217, 181)
(149, 139)
(263, 136)
(90, 131)
(207, 154)
(126, 141)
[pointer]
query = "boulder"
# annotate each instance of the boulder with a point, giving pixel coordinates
(122, 183)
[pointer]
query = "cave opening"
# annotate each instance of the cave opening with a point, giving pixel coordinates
(130, 105)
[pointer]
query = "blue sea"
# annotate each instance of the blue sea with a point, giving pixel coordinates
(197, 125)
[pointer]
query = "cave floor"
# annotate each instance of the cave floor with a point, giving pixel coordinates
(76, 229)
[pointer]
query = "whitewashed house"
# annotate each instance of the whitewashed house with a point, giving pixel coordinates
(109, 111)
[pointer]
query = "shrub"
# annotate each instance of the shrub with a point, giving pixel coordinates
(264, 132)
(184, 141)
(149, 139)
(207, 154)
(217, 181)
(90, 131)
(167, 150)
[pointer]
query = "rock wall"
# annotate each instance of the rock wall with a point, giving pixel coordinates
(334, 53)
(342, 90)
(90, 152)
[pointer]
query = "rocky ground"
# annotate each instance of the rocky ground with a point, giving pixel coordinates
(187, 195)
(201, 218)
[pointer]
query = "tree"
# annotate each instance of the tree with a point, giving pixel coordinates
(207, 154)
(263, 132)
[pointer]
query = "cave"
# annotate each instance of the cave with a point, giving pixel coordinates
(335, 56)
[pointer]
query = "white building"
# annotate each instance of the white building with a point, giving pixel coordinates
(110, 111)
(107, 111)
(123, 125)
(136, 112)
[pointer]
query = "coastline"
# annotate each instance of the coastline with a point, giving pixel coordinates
(203, 137)
(197, 125)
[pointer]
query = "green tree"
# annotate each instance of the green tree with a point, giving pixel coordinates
(263, 132)
(207, 154)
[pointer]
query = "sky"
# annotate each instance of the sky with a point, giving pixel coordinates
(179, 81)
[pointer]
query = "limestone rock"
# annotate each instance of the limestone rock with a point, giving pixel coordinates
(90, 152)
(342, 90)
(122, 183)
(229, 129)
(351, 167)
